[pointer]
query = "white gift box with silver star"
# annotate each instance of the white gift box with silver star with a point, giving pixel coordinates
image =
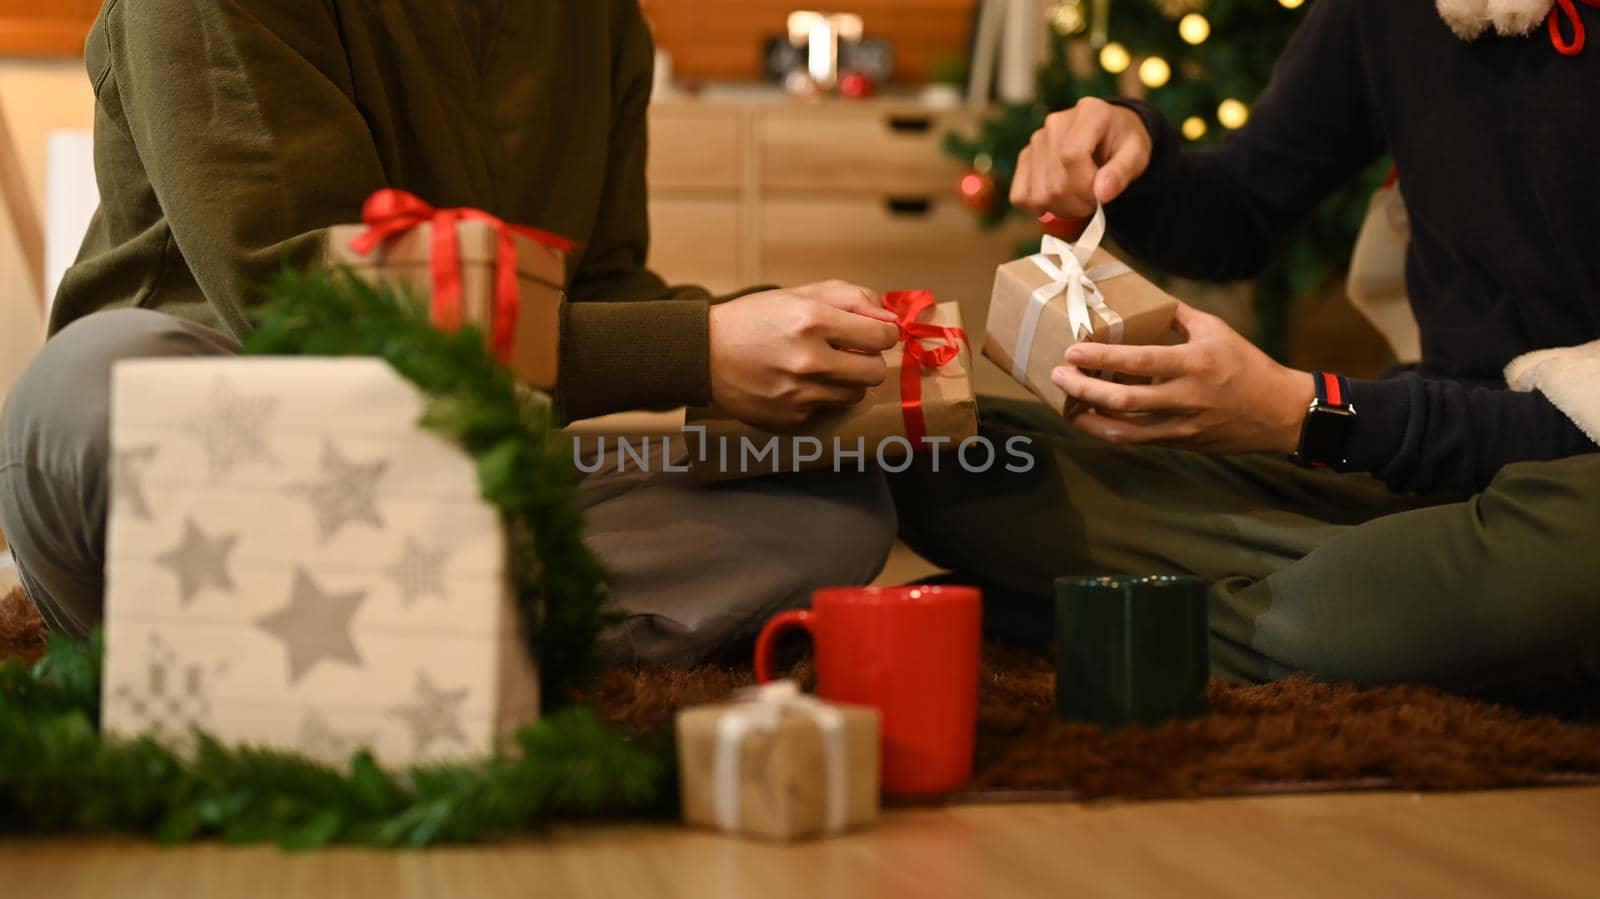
(294, 563)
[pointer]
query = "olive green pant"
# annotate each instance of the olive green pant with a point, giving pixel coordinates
(1312, 571)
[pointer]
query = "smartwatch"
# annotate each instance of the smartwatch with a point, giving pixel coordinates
(1328, 424)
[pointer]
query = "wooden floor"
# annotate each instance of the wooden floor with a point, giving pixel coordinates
(1523, 844)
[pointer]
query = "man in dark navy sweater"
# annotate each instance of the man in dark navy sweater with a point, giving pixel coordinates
(1447, 536)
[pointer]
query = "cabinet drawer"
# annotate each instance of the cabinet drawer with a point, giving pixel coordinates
(881, 151)
(696, 241)
(694, 148)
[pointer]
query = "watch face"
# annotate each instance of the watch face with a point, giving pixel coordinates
(1325, 434)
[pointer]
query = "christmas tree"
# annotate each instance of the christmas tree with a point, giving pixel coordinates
(1202, 63)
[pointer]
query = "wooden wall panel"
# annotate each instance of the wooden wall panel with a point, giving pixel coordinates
(723, 39)
(45, 27)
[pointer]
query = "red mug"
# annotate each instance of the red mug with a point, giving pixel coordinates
(909, 652)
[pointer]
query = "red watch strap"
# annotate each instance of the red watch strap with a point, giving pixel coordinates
(1330, 388)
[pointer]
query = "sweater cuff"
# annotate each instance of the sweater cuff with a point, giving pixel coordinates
(1383, 424)
(1164, 148)
(617, 356)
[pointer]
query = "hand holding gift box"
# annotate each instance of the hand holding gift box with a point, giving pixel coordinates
(1064, 294)
(926, 403)
(927, 394)
(778, 763)
(473, 267)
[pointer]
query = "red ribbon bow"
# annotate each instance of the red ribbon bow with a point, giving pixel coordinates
(391, 212)
(1568, 9)
(907, 305)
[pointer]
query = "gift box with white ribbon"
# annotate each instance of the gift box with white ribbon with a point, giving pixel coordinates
(778, 763)
(1066, 293)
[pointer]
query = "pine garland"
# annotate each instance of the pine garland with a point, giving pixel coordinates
(58, 772)
(524, 464)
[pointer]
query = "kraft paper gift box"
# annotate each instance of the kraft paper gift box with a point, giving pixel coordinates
(779, 764)
(1067, 293)
(293, 563)
(399, 249)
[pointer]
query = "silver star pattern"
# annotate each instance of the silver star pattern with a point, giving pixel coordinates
(315, 625)
(199, 561)
(418, 572)
(175, 696)
(233, 429)
(345, 493)
(127, 486)
(434, 715)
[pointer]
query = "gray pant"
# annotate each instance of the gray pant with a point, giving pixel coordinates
(694, 566)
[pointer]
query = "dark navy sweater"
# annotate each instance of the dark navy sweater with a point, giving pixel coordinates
(1498, 147)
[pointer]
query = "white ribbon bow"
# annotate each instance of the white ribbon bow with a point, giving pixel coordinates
(1063, 263)
(760, 709)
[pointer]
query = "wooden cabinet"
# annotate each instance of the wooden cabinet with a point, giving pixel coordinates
(775, 192)
(45, 27)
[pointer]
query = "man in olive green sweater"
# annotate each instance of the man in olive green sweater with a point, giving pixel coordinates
(229, 135)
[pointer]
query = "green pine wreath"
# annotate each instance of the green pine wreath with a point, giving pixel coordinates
(60, 773)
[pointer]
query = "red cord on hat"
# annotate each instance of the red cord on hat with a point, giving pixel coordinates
(1570, 10)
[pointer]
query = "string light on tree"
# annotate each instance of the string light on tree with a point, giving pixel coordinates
(1233, 114)
(1068, 18)
(1114, 58)
(1194, 127)
(1154, 72)
(1194, 28)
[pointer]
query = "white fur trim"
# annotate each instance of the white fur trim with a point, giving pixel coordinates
(1511, 18)
(1514, 18)
(1566, 375)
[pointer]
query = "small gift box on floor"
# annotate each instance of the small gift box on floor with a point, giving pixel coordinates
(926, 404)
(778, 763)
(293, 563)
(1064, 294)
(507, 279)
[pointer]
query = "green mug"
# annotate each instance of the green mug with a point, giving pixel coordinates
(1131, 650)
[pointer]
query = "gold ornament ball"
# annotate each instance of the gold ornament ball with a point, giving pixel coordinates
(1067, 18)
(1154, 72)
(1194, 127)
(1232, 113)
(1291, 4)
(1194, 28)
(1114, 58)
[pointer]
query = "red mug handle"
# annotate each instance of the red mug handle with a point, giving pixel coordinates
(767, 642)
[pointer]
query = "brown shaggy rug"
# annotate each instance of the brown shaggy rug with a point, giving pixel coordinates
(1293, 735)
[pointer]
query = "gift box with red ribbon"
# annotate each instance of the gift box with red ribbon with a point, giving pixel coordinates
(925, 405)
(472, 267)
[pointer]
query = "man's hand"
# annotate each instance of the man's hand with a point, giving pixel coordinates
(1086, 155)
(1218, 392)
(778, 357)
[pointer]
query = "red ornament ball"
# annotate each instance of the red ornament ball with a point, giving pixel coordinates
(857, 85)
(977, 190)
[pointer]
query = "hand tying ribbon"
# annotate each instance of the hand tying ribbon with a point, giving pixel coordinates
(760, 709)
(1064, 264)
(907, 305)
(390, 212)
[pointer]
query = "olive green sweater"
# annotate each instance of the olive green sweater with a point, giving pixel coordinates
(230, 133)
